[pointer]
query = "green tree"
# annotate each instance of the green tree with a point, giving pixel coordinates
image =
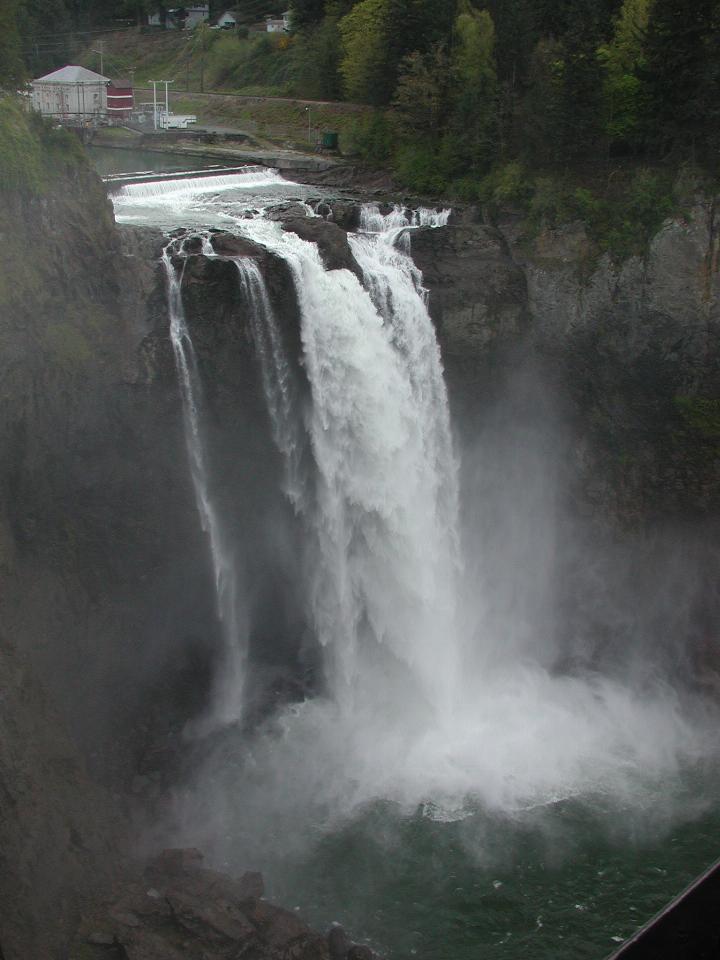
(316, 60)
(472, 136)
(582, 83)
(421, 95)
(306, 13)
(680, 75)
(378, 34)
(622, 60)
(366, 67)
(541, 119)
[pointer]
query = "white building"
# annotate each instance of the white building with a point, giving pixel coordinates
(273, 25)
(227, 21)
(71, 93)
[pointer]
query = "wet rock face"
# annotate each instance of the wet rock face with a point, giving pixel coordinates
(245, 465)
(631, 351)
(478, 294)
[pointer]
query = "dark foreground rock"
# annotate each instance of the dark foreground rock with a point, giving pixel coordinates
(176, 909)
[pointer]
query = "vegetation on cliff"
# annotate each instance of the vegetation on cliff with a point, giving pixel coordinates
(33, 153)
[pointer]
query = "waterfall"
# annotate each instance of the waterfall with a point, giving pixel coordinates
(228, 700)
(384, 515)
(372, 221)
(280, 396)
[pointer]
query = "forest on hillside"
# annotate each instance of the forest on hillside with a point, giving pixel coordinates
(470, 96)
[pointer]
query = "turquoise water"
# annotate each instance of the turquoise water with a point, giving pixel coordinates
(569, 881)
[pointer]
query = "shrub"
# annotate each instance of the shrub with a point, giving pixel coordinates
(549, 202)
(418, 168)
(508, 184)
(370, 137)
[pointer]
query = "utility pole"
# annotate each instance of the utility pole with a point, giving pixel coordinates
(309, 128)
(101, 51)
(167, 101)
(154, 82)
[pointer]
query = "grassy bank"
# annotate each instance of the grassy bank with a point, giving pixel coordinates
(254, 74)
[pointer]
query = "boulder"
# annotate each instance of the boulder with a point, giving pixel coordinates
(331, 240)
(290, 210)
(230, 245)
(359, 951)
(338, 942)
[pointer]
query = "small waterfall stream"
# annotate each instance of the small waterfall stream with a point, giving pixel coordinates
(281, 398)
(228, 700)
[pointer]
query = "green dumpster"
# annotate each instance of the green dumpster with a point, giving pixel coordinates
(330, 141)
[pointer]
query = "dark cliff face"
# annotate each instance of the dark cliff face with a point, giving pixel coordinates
(105, 589)
(632, 350)
(586, 400)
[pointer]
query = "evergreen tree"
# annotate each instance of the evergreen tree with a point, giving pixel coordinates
(542, 130)
(421, 96)
(366, 67)
(378, 34)
(581, 103)
(306, 13)
(680, 82)
(623, 60)
(472, 141)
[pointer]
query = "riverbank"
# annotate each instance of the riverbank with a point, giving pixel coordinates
(233, 149)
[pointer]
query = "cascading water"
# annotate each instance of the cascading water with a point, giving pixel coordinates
(229, 695)
(281, 398)
(373, 221)
(384, 551)
(385, 509)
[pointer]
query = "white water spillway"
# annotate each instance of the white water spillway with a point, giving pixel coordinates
(173, 187)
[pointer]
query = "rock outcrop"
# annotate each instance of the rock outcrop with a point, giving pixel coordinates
(175, 908)
(331, 240)
(632, 349)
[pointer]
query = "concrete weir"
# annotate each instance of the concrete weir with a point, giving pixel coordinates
(116, 181)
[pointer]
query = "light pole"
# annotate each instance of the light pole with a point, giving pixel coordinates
(309, 129)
